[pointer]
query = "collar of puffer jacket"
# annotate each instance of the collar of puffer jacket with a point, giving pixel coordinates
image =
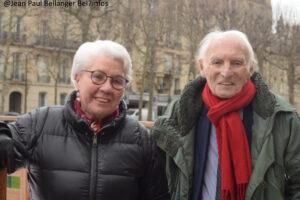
(190, 102)
(80, 124)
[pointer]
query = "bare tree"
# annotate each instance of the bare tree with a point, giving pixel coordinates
(150, 27)
(252, 18)
(197, 21)
(287, 45)
(85, 16)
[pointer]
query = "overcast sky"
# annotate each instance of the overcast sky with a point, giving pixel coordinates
(289, 8)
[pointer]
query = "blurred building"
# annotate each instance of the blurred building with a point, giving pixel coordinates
(37, 46)
(35, 65)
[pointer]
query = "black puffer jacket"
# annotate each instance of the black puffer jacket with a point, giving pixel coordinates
(65, 162)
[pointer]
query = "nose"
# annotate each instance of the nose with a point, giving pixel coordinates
(107, 86)
(226, 70)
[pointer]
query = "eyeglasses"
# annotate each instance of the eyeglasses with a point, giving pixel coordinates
(99, 77)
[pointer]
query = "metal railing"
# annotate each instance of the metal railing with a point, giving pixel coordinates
(3, 174)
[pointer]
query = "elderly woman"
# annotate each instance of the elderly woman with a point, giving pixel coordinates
(88, 148)
(228, 137)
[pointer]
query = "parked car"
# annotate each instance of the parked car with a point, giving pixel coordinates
(11, 113)
(134, 113)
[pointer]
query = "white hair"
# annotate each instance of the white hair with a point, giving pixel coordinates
(215, 35)
(90, 50)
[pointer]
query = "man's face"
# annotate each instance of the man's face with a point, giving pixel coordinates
(100, 101)
(226, 67)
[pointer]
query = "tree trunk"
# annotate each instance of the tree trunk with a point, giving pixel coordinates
(151, 83)
(55, 91)
(85, 31)
(291, 81)
(144, 71)
(260, 65)
(6, 59)
(152, 38)
(192, 71)
(26, 84)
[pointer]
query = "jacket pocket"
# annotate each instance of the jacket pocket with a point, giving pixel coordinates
(273, 185)
(173, 177)
(267, 190)
(280, 176)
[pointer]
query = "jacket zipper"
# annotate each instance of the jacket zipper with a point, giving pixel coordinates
(94, 174)
(93, 168)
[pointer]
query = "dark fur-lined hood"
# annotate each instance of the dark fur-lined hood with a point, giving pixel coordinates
(181, 116)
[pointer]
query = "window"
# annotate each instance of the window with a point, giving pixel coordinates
(63, 71)
(63, 97)
(160, 84)
(1, 66)
(45, 2)
(176, 86)
(15, 100)
(1, 24)
(13, 182)
(16, 66)
(43, 76)
(177, 65)
(42, 99)
(43, 33)
(17, 28)
(65, 31)
(161, 110)
(44, 28)
(17, 70)
(168, 63)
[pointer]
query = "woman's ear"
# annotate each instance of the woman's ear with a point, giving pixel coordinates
(77, 78)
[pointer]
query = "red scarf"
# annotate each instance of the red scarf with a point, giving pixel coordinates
(233, 148)
(94, 124)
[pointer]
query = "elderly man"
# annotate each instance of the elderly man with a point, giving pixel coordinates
(228, 137)
(88, 148)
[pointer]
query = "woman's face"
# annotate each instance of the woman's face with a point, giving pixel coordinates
(100, 101)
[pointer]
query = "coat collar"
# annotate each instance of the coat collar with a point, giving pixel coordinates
(174, 131)
(81, 124)
(190, 102)
(181, 117)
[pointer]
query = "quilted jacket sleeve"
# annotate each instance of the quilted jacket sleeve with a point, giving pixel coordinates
(6, 147)
(24, 133)
(292, 160)
(154, 182)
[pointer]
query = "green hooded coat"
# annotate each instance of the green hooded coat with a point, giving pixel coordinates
(275, 147)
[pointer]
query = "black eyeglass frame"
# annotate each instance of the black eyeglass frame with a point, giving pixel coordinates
(106, 76)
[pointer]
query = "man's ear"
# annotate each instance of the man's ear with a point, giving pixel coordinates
(200, 66)
(251, 70)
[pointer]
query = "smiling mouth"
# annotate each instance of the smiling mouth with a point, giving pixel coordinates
(226, 84)
(102, 100)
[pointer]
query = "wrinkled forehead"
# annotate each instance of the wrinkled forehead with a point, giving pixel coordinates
(96, 61)
(226, 45)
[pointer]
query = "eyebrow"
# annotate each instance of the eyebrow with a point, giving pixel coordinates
(221, 58)
(105, 72)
